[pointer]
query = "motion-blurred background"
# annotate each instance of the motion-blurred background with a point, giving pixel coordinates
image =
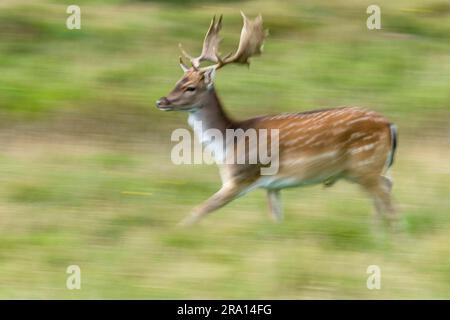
(85, 170)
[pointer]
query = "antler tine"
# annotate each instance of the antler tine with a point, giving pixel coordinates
(187, 55)
(183, 65)
(220, 61)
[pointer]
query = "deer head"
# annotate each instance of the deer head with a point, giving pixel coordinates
(191, 90)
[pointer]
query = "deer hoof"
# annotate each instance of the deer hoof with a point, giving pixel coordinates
(187, 222)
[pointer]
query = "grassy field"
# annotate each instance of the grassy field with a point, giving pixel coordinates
(85, 170)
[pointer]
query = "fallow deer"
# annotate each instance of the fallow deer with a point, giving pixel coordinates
(320, 146)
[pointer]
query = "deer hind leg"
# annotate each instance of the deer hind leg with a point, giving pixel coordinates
(275, 206)
(226, 194)
(379, 188)
(387, 182)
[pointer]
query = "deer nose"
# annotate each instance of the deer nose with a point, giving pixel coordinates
(162, 102)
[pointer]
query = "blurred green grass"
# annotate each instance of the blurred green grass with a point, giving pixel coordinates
(85, 156)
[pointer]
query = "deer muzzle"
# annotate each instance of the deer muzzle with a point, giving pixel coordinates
(163, 104)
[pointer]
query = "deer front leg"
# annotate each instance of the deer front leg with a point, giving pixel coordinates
(226, 194)
(276, 209)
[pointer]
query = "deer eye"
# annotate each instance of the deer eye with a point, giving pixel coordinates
(190, 89)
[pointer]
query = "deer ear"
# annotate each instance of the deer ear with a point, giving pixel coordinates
(209, 77)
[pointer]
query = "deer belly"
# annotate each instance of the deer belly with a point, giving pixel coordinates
(279, 182)
(304, 170)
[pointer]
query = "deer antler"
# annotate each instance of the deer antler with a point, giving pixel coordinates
(250, 44)
(210, 42)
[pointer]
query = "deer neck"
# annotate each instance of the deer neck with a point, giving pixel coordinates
(210, 115)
